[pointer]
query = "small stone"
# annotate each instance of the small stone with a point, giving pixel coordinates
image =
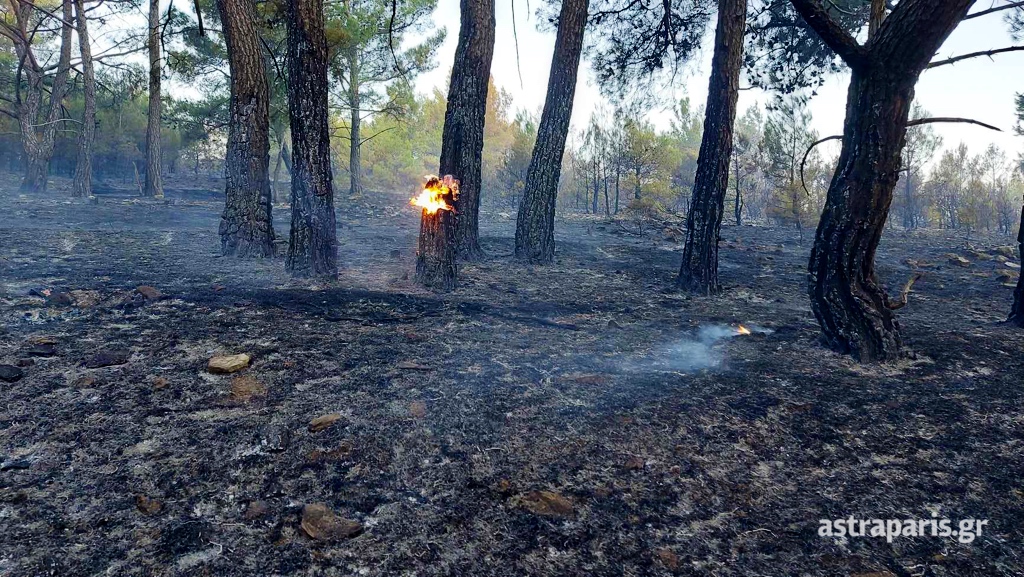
(108, 358)
(547, 504)
(255, 510)
(160, 383)
(322, 524)
(323, 422)
(85, 298)
(245, 388)
(669, 559)
(151, 293)
(147, 505)
(10, 373)
(42, 350)
(418, 409)
(225, 364)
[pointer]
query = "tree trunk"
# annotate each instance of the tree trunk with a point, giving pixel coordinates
(445, 233)
(535, 227)
(699, 271)
(354, 161)
(1017, 312)
(313, 242)
(738, 207)
(246, 226)
(38, 145)
(82, 185)
(154, 187)
(846, 295)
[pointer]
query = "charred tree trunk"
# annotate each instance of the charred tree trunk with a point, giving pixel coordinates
(847, 298)
(246, 226)
(355, 164)
(699, 271)
(313, 242)
(535, 226)
(82, 185)
(154, 186)
(1017, 312)
(38, 145)
(444, 234)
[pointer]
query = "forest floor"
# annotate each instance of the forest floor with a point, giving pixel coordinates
(574, 419)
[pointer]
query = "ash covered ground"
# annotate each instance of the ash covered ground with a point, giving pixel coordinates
(574, 419)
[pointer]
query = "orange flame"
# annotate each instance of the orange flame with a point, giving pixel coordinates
(438, 193)
(742, 330)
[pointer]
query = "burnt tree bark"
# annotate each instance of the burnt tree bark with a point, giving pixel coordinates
(313, 241)
(847, 298)
(699, 271)
(355, 161)
(246, 226)
(38, 144)
(82, 185)
(1017, 312)
(445, 234)
(535, 226)
(154, 186)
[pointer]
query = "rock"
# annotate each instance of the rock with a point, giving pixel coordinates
(1007, 251)
(547, 504)
(10, 373)
(614, 325)
(245, 388)
(107, 358)
(147, 505)
(255, 510)
(323, 422)
(225, 364)
(418, 409)
(85, 298)
(42, 350)
(151, 293)
(59, 299)
(322, 524)
(160, 383)
(957, 260)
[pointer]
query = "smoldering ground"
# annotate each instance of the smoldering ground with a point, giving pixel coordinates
(486, 432)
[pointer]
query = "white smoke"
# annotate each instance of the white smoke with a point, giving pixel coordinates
(694, 353)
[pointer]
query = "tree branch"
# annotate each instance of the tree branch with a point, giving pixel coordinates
(989, 53)
(838, 39)
(996, 9)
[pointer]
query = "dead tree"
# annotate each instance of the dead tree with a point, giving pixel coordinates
(1017, 312)
(846, 295)
(154, 186)
(445, 233)
(699, 271)
(535, 226)
(246, 226)
(313, 242)
(82, 185)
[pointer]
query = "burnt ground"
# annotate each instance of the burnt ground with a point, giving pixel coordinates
(582, 379)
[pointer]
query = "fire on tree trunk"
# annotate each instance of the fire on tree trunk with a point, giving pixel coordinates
(313, 243)
(699, 271)
(535, 226)
(847, 298)
(448, 232)
(246, 227)
(435, 262)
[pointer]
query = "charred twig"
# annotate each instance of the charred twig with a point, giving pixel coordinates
(902, 302)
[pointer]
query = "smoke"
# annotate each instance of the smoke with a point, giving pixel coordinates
(693, 353)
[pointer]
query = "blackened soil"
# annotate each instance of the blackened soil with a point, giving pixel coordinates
(456, 409)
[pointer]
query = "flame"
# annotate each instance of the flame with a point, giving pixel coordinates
(437, 193)
(742, 330)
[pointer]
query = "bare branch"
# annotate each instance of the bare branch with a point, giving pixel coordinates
(838, 39)
(808, 153)
(996, 9)
(989, 53)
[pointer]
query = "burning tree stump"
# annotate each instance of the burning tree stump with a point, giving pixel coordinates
(438, 244)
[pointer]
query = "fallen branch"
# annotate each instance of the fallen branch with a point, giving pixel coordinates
(915, 122)
(902, 302)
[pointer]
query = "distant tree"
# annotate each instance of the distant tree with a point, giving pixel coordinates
(154, 186)
(922, 143)
(516, 161)
(746, 161)
(786, 139)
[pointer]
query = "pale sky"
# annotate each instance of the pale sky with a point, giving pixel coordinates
(979, 88)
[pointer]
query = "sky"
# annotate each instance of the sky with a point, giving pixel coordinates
(980, 88)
